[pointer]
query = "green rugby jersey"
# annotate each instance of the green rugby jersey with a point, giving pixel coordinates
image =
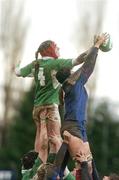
(47, 86)
(70, 177)
(28, 174)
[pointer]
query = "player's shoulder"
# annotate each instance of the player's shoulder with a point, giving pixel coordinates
(67, 86)
(64, 59)
(61, 61)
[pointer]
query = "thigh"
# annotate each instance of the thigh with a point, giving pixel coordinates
(75, 144)
(53, 121)
(39, 116)
(39, 113)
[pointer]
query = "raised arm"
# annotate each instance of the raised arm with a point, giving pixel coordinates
(89, 64)
(81, 58)
(82, 160)
(25, 71)
(87, 68)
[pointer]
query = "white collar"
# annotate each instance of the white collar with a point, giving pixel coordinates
(47, 57)
(25, 170)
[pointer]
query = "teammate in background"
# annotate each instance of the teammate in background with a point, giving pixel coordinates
(46, 101)
(29, 165)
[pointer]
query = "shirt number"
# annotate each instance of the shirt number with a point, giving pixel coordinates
(41, 78)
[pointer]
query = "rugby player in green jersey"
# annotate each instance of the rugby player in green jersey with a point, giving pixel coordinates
(46, 101)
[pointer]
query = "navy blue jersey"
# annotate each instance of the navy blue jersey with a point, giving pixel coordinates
(75, 93)
(76, 102)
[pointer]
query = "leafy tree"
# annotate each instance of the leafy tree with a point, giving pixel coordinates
(12, 40)
(21, 135)
(104, 137)
(103, 133)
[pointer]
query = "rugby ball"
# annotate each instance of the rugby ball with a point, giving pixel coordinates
(107, 45)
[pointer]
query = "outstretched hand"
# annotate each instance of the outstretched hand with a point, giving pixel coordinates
(100, 39)
(14, 66)
(81, 157)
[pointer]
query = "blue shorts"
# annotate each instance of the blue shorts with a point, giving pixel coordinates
(75, 129)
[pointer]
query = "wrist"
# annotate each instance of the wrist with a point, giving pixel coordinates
(97, 46)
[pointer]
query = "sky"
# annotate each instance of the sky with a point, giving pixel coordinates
(108, 85)
(54, 19)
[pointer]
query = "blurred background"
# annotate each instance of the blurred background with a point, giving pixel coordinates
(72, 24)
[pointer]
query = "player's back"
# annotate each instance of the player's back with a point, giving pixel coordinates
(76, 102)
(47, 86)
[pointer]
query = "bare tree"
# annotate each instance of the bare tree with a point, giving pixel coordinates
(91, 18)
(90, 22)
(12, 38)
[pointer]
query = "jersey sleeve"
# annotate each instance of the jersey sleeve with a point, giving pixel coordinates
(27, 70)
(84, 72)
(89, 64)
(69, 177)
(63, 63)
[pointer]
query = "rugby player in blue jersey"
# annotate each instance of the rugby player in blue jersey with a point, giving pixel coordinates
(76, 98)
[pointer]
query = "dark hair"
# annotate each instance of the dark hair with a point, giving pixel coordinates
(28, 159)
(114, 176)
(63, 74)
(43, 46)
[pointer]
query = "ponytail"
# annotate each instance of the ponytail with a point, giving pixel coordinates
(36, 55)
(36, 61)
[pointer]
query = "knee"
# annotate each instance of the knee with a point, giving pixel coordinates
(67, 136)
